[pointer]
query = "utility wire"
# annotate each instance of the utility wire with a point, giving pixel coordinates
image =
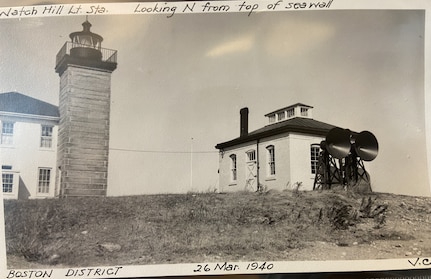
(164, 152)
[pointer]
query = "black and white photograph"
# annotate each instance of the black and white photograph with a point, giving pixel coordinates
(213, 137)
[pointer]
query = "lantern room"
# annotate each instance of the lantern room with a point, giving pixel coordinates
(85, 43)
(85, 49)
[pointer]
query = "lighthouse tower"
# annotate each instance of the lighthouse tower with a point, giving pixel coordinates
(85, 70)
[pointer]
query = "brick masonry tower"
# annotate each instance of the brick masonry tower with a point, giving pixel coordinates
(85, 70)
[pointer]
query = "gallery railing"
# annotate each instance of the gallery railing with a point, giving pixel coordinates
(106, 55)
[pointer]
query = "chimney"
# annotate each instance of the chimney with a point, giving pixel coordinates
(244, 122)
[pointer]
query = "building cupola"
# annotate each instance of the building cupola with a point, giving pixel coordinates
(296, 110)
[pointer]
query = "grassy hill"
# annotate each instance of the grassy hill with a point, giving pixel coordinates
(213, 227)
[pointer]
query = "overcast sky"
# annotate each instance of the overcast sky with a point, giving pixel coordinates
(188, 76)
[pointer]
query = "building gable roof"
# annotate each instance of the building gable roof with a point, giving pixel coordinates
(14, 102)
(297, 124)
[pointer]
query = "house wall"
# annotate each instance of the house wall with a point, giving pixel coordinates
(226, 183)
(292, 163)
(301, 160)
(26, 157)
(281, 179)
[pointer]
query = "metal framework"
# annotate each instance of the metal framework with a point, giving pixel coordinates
(351, 153)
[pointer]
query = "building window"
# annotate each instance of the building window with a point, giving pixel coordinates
(290, 112)
(7, 179)
(314, 152)
(44, 180)
(251, 155)
(46, 137)
(271, 160)
(233, 167)
(304, 111)
(7, 133)
(281, 116)
(271, 118)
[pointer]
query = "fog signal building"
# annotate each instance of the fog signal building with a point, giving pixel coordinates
(281, 155)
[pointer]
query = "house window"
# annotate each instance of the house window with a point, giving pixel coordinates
(290, 112)
(44, 180)
(281, 116)
(7, 133)
(314, 152)
(46, 137)
(271, 118)
(233, 167)
(304, 111)
(251, 155)
(271, 160)
(7, 179)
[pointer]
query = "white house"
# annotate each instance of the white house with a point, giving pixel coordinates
(281, 155)
(28, 146)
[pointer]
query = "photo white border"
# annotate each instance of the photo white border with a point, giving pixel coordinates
(278, 267)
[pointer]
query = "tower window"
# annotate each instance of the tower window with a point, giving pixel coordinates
(304, 111)
(7, 133)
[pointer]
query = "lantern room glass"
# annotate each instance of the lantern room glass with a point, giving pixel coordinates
(86, 38)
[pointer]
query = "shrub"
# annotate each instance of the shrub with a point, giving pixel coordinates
(341, 215)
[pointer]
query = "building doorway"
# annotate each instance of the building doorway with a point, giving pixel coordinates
(251, 171)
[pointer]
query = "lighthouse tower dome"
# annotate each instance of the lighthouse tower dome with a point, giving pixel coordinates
(86, 44)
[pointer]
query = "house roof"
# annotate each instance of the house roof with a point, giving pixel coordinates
(19, 103)
(296, 124)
